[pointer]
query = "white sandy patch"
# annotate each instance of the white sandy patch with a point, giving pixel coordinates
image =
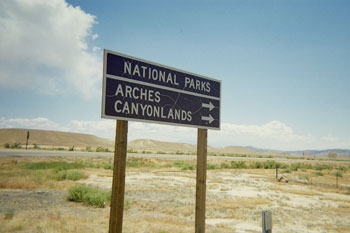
(247, 227)
(295, 208)
(98, 181)
(222, 221)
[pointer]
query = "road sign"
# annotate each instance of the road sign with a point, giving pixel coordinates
(139, 90)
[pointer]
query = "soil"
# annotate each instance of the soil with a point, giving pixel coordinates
(22, 200)
(164, 201)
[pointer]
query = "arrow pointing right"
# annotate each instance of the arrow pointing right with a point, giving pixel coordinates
(210, 106)
(209, 118)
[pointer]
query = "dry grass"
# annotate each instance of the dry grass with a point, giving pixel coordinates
(158, 224)
(334, 228)
(294, 191)
(238, 203)
(162, 197)
(54, 221)
(13, 176)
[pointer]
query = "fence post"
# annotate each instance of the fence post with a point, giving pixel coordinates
(266, 221)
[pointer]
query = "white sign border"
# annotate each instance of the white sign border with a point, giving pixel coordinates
(103, 115)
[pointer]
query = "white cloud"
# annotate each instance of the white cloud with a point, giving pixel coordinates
(44, 47)
(94, 36)
(102, 128)
(34, 123)
(272, 135)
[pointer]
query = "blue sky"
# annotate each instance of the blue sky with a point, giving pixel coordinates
(284, 65)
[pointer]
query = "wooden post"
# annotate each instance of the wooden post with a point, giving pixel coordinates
(118, 185)
(201, 180)
(27, 139)
(276, 172)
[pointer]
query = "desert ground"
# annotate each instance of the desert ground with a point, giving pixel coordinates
(160, 195)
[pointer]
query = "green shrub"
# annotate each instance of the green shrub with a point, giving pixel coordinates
(16, 146)
(302, 166)
(211, 167)
(146, 152)
(68, 175)
(9, 214)
(255, 165)
(58, 166)
(318, 173)
(238, 164)
(342, 169)
(89, 195)
(294, 167)
(184, 165)
(269, 164)
(282, 165)
(225, 166)
(71, 148)
(101, 149)
(338, 174)
(286, 171)
(139, 162)
(108, 166)
(323, 167)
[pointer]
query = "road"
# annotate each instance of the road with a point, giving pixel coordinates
(44, 153)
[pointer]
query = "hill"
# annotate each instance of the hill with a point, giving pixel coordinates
(52, 138)
(159, 146)
(55, 139)
(342, 152)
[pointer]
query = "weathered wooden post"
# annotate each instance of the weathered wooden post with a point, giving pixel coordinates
(118, 185)
(27, 139)
(201, 180)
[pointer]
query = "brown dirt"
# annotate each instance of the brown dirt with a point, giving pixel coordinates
(163, 200)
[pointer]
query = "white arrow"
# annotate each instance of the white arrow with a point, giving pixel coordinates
(209, 118)
(210, 106)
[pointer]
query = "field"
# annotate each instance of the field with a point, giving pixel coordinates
(40, 194)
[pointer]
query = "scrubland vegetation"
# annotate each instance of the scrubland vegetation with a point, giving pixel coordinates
(165, 189)
(44, 172)
(89, 195)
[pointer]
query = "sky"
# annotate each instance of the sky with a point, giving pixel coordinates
(284, 65)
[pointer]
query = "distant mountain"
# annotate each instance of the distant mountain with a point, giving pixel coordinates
(46, 138)
(344, 152)
(260, 150)
(55, 139)
(49, 139)
(174, 147)
(159, 146)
